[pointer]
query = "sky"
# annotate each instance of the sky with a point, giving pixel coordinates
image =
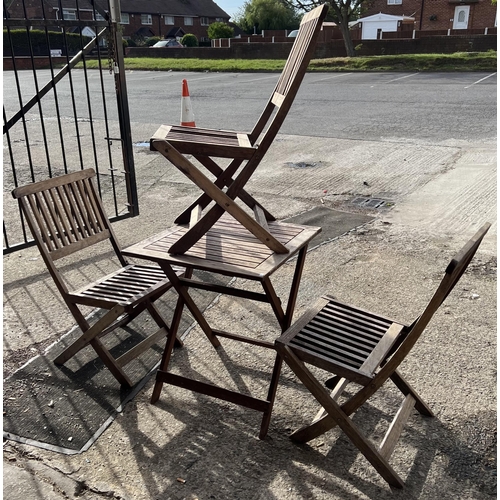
(230, 6)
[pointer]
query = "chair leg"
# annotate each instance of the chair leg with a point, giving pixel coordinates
(406, 389)
(342, 420)
(271, 395)
(90, 334)
(110, 362)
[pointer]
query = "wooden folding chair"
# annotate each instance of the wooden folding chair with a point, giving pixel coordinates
(65, 215)
(245, 151)
(362, 347)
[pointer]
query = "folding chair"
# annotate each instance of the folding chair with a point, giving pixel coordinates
(242, 149)
(362, 347)
(66, 215)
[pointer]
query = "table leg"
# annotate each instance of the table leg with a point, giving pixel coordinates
(171, 339)
(294, 289)
(182, 290)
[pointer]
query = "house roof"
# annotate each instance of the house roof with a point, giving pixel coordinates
(194, 8)
(383, 17)
(175, 32)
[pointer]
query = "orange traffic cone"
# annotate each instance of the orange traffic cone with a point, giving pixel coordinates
(187, 115)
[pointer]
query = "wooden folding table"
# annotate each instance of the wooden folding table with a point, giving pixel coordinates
(227, 249)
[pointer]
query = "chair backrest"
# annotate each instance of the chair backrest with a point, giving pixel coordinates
(291, 77)
(65, 214)
(453, 273)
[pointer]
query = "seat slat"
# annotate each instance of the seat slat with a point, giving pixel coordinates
(333, 331)
(352, 325)
(339, 308)
(360, 351)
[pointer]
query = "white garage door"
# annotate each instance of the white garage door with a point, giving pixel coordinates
(369, 29)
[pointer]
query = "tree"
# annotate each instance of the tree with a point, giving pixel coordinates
(341, 12)
(267, 15)
(189, 40)
(220, 30)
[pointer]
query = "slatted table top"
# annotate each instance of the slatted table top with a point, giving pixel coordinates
(227, 248)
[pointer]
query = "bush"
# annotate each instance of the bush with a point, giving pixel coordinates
(189, 40)
(152, 40)
(38, 39)
(131, 43)
(220, 30)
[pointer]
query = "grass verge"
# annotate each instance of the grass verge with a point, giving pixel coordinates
(459, 61)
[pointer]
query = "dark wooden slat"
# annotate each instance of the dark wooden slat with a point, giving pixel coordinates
(214, 391)
(54, 207)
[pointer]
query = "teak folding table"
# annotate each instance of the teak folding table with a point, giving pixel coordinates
(227, 249)
(218, 235)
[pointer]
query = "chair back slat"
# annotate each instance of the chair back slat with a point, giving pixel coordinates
(291, 77)
(453, 273)
(64, 217)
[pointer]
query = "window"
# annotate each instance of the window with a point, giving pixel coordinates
(394, 2)
(204, 21)
(188, 21)
(146, 19)
(98, 17)
(124, 18)
(69, 14)
(169, 20)
(219, 19)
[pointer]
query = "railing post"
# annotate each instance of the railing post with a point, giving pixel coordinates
(413, 34)
(123, 109)
(449, 31)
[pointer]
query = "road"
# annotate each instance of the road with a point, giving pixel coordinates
(425, 107)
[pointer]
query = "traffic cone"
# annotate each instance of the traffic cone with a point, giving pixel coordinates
(187, 115)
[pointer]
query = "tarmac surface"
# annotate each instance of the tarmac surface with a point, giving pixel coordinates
(188, 446)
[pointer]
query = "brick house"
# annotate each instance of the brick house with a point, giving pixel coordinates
(166, 17)
(440, 14)
(139, 18)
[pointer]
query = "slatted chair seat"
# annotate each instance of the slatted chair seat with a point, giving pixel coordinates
(65, 215)
(127, 286)
(202, 141)
(358, 346)
(349, 341)
(244, 151)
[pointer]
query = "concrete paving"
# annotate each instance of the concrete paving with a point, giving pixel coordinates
(189, 446)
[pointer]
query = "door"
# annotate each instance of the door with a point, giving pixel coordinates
(461, 18)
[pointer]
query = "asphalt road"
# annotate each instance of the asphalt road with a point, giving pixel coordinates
(426, 107)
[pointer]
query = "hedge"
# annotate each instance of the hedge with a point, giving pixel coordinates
(20, 42)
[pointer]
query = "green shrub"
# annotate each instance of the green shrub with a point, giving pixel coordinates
(152, 40)
(220, 30)
(57, 40)
(131, 43)
(189, 40)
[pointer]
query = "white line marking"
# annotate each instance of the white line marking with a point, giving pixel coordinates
(331, 77)
(396, 79)
(479, 81)
(401, 77)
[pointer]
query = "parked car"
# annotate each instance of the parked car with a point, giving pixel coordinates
(174, 44)
(293, 34)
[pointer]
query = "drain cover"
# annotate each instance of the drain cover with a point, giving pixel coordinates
(302, 164)
(371, 202)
